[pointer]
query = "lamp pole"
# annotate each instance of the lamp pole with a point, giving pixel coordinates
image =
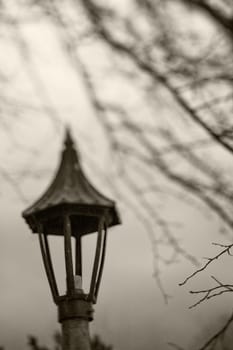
(74, 316)
(72, 207)
(75, 334)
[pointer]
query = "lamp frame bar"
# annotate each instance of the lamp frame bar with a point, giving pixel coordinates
(44, 246)
(68, 256)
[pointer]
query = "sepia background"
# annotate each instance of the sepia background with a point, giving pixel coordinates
(146, 88)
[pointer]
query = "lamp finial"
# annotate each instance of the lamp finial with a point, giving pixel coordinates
(68, 137)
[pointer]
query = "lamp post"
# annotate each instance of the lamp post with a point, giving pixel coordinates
(72, 207)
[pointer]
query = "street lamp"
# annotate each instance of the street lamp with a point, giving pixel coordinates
(72, 207)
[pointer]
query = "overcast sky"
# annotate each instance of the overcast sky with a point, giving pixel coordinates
(131, 313)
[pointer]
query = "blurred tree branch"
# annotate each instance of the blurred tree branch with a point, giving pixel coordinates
(159, 80)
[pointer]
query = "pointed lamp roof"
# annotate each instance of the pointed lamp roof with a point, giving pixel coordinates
(70, 193)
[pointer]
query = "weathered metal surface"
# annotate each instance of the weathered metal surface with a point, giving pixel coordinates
(48, 264)
(71, 193)
(68, 256)
(71, 308)
(101, 265)
(78, 256)
(75, 335)
(97, 259)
